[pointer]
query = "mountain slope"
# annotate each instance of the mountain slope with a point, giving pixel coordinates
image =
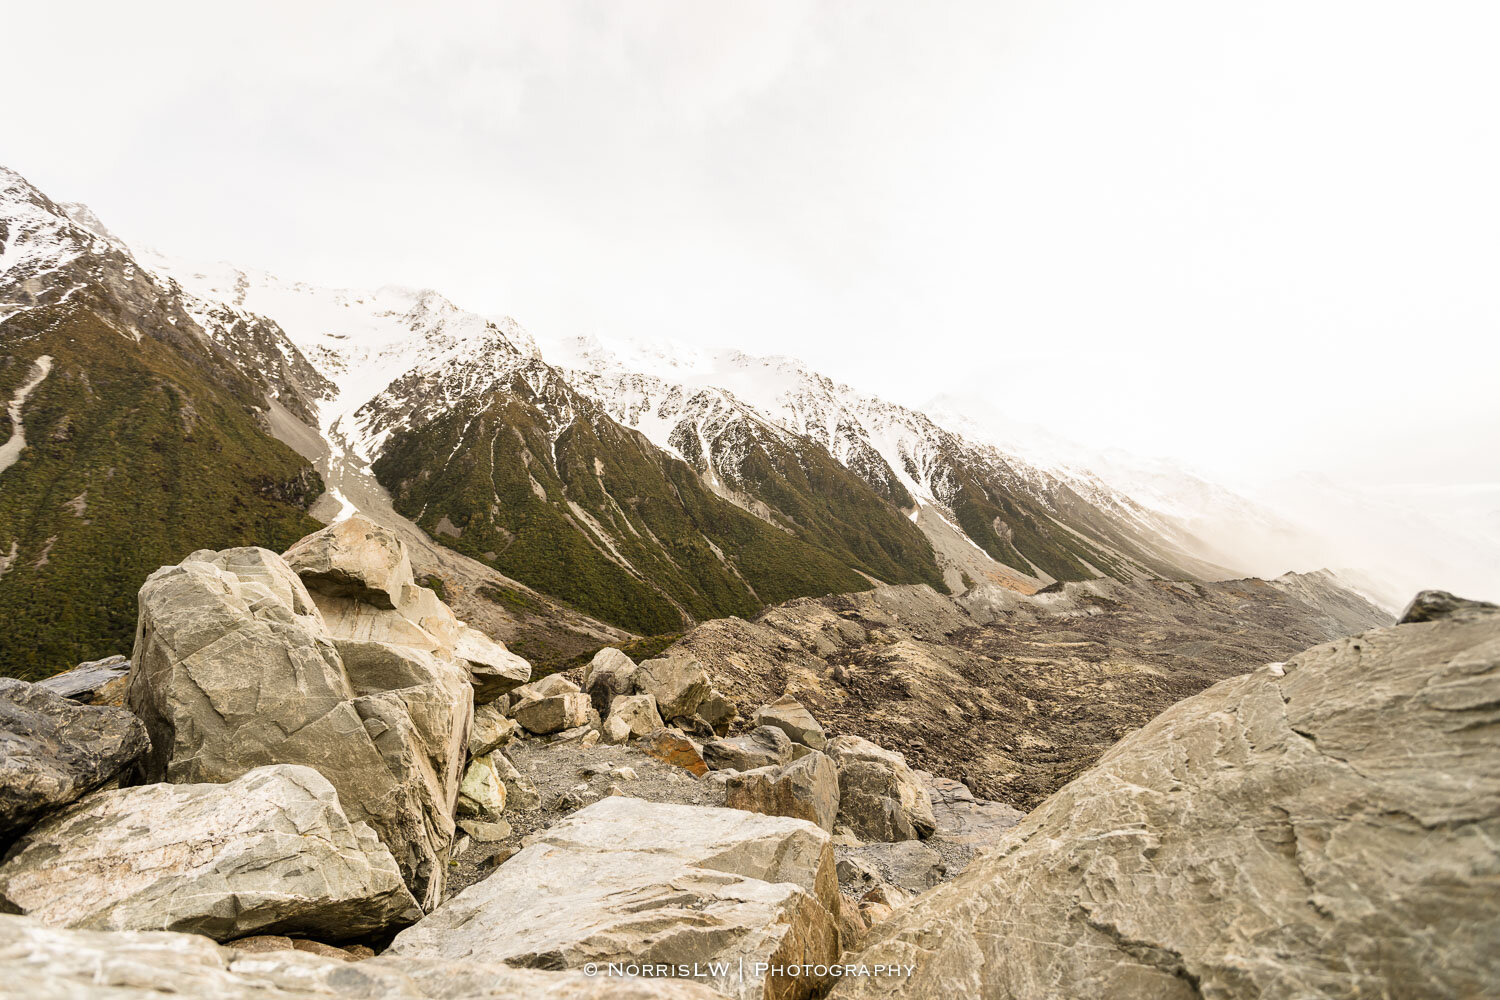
(143, 440)
(986, 514)
(457, 423)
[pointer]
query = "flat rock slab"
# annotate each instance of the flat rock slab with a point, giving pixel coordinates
(87, 681)
(54, 750)
(40, 961)
(629, 880)
(270, 852)
(1326, 827)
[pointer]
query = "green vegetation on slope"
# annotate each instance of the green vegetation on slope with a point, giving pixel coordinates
(596, 516)
(133, 460)
(827, 505)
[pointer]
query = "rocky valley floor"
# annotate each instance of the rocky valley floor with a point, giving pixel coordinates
(1014, 695)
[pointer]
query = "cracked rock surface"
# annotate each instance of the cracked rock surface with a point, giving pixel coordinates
(270, 852)
(1327, 827)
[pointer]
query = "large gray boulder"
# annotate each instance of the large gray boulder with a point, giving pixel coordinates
(553, 714)
(39, 961)
(880, 798)
(792, 717)
(54, 750)
(648, 882)
(805, 789)
(636, 712)
(271, 852)
(1327, 827)
(764, 746)
(234, 668)
(678, 682)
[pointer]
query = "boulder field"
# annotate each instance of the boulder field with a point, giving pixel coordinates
(312, 745)
(1324, 827)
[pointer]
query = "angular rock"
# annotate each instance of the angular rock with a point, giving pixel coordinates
(637, 712)
(40, 961)
(482, 794)
(234, 669)
(678, 683)
(353, 558)
(550, 686)
(625, 879)
(765, 746)
(87, 681)
(270, 852)
(491, 730)
(717, 712)
(554, 714)
(807, 789)
(787, 714)
(54, 750)
(674, 748)
(609, 674)
(494, 670)
(880, 798)
(1324, 828)
(963, 820)
(616, 731)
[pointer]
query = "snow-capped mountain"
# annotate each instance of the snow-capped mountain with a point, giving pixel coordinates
(968, 496)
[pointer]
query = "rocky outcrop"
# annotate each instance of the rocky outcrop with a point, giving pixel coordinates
(234, 669)
(805, 789)
(879, 796)
(54, 750)
(635, 881)
(1322, 827)
(788, 714)
(763, 746)
(40, 961)
(359, 575)
(270, 852)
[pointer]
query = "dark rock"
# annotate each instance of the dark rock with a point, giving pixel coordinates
(1436, 605)
(54, 750)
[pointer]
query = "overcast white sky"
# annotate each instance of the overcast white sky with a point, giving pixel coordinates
(1260, 237)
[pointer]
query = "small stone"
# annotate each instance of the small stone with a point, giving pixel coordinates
(485, 830)
(674, 748)
(482, 794)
